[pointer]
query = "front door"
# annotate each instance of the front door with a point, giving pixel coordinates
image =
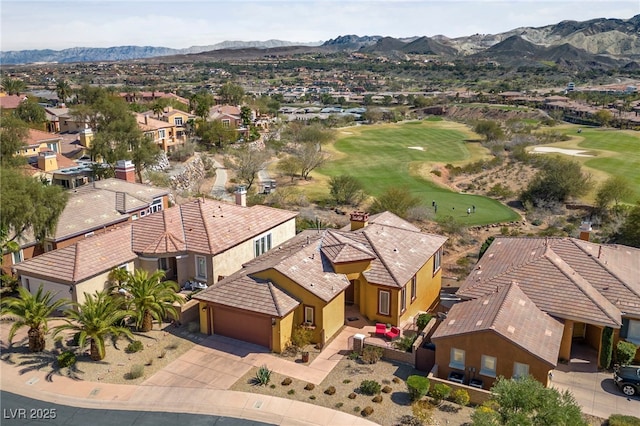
(349, 294)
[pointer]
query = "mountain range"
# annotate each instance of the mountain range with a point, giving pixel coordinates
(600, 43)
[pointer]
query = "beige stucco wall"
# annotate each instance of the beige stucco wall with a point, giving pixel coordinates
(332, 317)
(58, 290)
(281, 335)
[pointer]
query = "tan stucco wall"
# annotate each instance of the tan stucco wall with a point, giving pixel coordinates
(488, 343)
(282, 332)
(333, 317)
(567, 338)
(58, 290)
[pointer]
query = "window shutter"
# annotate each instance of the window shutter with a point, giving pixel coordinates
(625, 328)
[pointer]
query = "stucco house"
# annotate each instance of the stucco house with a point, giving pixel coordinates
(382, 264)
(586, 286)
(162, 133)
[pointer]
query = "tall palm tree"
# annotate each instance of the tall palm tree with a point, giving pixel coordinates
(151, 298)
(96, 319)
(13, 86)
(32, 311)
(158, 109)
(63, 90)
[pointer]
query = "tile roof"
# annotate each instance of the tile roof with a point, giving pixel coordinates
(563, 276)
(11, 101)
(84, 259)
(147, 123)
(146, 193)
(206, 226)
(36, 137)
(509, 313)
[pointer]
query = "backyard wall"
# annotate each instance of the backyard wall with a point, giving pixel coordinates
(476, 396)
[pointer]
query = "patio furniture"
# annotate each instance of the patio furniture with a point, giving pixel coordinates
(381, 329)
(393, 333)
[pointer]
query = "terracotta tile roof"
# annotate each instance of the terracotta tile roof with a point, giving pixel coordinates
(36, 137)
(561, 276)
(148, 123)
(82, 260)
(208, 226)
(252, 294)
(159, 233)
(509, 313)
(11, 101)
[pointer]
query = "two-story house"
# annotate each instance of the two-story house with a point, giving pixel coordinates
(162, 133)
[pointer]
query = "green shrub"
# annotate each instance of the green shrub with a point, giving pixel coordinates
(620, 420)
(301, 337)
(405, 343)
(272, 386)
(312, 397)
(625, 352)
(422, 321)
(136, 371)
(263, 376)
(291, 392)
(339, 405)
(356, 408)
(371, 354)
(66, 359)
(460, 396)
(439, 392)
(354, 355)
(606, 348)
(135, 346)
(423, 411)
(418, 386)
(370, 387)
(346, 381)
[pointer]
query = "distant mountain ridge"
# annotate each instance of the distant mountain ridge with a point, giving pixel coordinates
(603, 42)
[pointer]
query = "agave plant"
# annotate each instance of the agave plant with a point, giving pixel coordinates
(263, 376)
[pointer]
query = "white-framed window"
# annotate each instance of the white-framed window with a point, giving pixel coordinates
(520, 370)
(162, 134)
(414, 288)
(163, 264)
(437, 259)
(309, 315)
(177, 121)
(226, 123)
(262, 244)
(134, 217)
(17, 256)
(403, 299)
(156, 205)
(201, 267)
(457, 359)
(488, 365)
(384, 302)
(630, 330)
(53, 146)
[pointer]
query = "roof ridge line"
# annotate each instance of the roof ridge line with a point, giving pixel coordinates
(381, 260)
(75, 261)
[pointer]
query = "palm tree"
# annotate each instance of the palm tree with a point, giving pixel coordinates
(32, 311)
(158, 109)
(63, 90)
(96, 319)
(151, 298)
(13, 86)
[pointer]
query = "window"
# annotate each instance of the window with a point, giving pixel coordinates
(403, 299)
(437, 258)
(134, 217)
(156, 206)
(457, 359)
(201, 267)
(262, 245)
(52, 146)
(48, 247)
(163, 264)
(520, 370)
(630, 331)
(177, 121)
(17, 256)
(414, 288)
(226, 123)
(488, 366)
(162, 134)
(309, 317)
(384, 298)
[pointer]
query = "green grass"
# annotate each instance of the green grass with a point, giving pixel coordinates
(385, 156)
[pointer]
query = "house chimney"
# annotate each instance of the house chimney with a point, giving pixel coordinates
(86, 136)
(125, 170)
(241, 196)
(47, 161)
(585, 230)
(359, 220)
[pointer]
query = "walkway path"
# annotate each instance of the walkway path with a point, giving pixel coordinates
(219, 189)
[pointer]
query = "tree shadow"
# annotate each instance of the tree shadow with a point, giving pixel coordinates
(401, 398)
(449, 408)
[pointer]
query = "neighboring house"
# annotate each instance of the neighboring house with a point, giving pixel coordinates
(53, 115)
(229, 115)
(80, 268)
(162, 133)
(38, 141)
(499, 334)
(206, 240)
(104, 204)
(382, 264)
(10, 102)
(29, 248)
(585, 285)
(177, 118)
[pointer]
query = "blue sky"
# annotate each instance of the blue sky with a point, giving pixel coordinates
(59, 24)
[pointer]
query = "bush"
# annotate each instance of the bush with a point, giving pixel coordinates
(346, 381)
(439, 392)
(418, 386)
(606, 347)
(291, 392)
(405, 343)
(331, 390)
(66, 359)
(309, 386)
(272, 386)
(370, 387)
(149, 362)
(396, 380)
(377, 399)
(410, 420)
(460, 396)
(286, 382)
(135, 346)
(136, 371)
(423, 411)
(162, 354)
(620, 420)
(387, 389)
(352, 395)
(301, 337)
(422, 321)
(263, 376)
(367, 411)
(371, 354)
(312, 397)
(356, 408)
(625, 352)
(339, 405)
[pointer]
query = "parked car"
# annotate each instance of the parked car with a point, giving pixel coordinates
(627, 378)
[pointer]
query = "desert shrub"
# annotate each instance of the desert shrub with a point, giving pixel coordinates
(263, 376)
(410, 420)
(372, 354)
(418, 386)
(301, 337)
(66, 359)
(286, 382)
(339, 405)
(309, 386)
(422, 321)
(356, 408)
(370, 387)
(354, 355)
(272, 386)
(621, 420)
(331, 390)
(136, 371)
(312, 397)
(423, 411)
(396, 380)
(405, 343)
(291, 392)
(460, 396)
(439, 392)
(149, 362)
(377, 399)
(387, 389)
(352, 395)
(135, 346)
(346, 381)
(625, 352)
(162, 354)
(367, 411)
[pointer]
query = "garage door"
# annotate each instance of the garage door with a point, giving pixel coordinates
(242, 325)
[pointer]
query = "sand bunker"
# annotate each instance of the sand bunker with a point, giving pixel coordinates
(419, 148)
(572, 152)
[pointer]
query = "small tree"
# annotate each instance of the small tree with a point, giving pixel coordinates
(606, 348)
(613, 190)
(625, 352)
(491, 130)
(396, 200)
(346, 189)
(418, 386)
